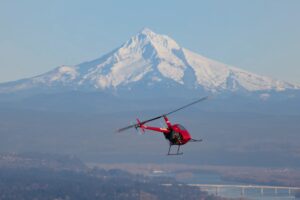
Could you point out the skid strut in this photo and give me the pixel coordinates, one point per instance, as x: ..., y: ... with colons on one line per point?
x: 174, y: 154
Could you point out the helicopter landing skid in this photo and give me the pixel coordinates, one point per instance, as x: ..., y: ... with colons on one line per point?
x: 174, y: 154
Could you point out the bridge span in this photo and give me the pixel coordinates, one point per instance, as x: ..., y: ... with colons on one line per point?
x: 243, y: 188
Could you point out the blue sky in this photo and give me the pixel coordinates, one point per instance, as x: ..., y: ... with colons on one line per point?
x: 262, y: 36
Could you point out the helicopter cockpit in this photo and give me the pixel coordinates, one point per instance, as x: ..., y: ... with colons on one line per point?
x: 181, y: 127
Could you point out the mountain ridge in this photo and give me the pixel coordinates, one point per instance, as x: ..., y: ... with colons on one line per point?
x: 156, y: 60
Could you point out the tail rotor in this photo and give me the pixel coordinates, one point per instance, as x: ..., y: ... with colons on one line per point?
x: 139, y: 127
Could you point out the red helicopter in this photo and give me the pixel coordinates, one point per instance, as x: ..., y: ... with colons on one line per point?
x: 176, y: 134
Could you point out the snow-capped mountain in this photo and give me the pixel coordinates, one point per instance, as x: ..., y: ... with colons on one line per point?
x: 152, y: 60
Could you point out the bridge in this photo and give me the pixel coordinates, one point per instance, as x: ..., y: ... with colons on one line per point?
x: 243, y: 188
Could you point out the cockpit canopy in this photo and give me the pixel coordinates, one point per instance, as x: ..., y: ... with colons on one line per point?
x: 181, y: 127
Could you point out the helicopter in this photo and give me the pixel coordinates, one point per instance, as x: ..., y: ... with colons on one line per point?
x: 176, y: 134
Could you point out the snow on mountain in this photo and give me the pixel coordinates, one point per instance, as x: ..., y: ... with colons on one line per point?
x: 151, y: 58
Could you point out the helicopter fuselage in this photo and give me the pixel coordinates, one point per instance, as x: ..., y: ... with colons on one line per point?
x: 176, y: 134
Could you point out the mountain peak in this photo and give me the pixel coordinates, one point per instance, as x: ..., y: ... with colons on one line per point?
x: 147, y: 31
x: 149, y: 59
x: 158, y: 41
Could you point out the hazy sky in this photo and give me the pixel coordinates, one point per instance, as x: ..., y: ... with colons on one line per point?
x: 260, y: 36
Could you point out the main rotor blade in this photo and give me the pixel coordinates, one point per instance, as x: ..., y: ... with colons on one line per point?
x: 127, y: 127
x: 137, y: 125
x: 158, y: 117
x: 183, y: 107
x: 149, y: 120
